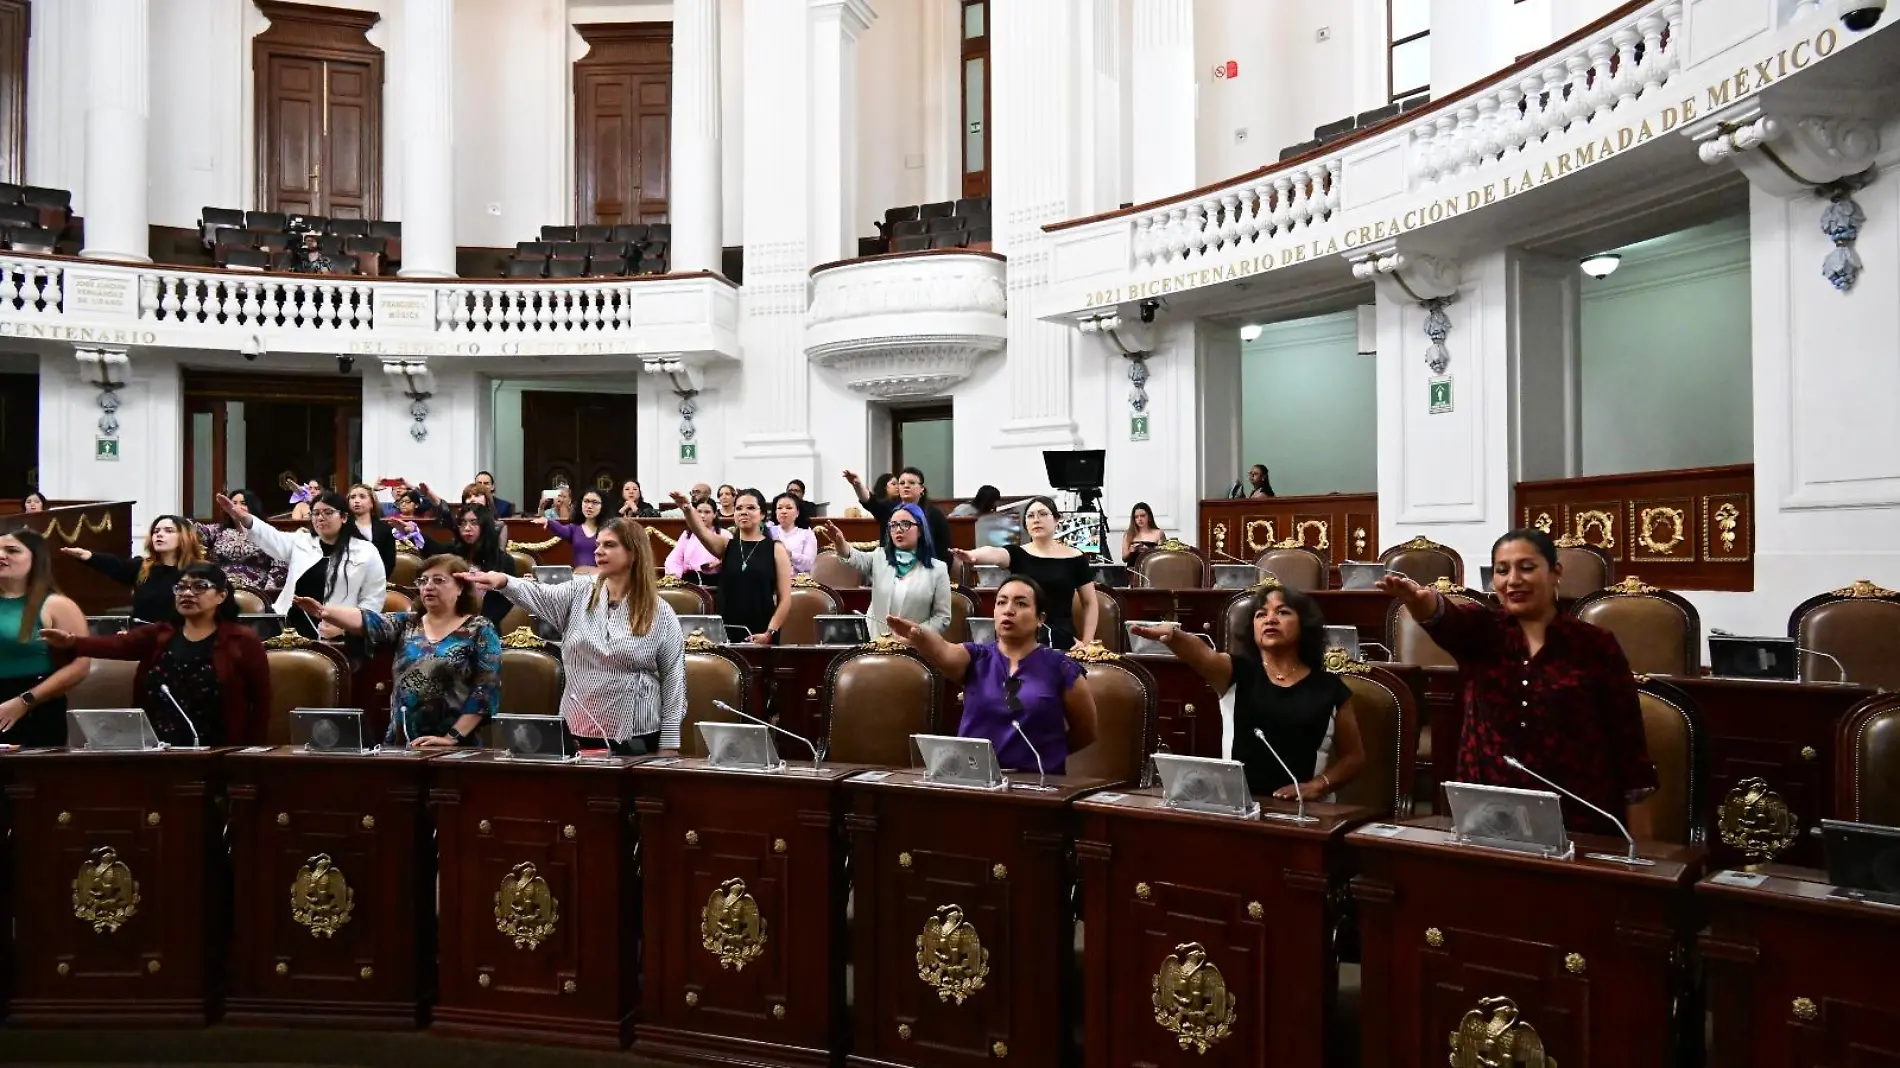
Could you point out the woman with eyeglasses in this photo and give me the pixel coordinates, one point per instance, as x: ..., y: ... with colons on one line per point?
x: 32, y: 688
x: 1061, y: 570
x: 907, y: 580
x: 204, y: 680
x: 447, y: 668
x: 1030, y: 701
x: 791, y: 529
x: 228, y: 544
x: 905, y: 487
x: 583, y: 532
x: 327, y: 561
x: 171, y: 544
x: 755, y: 571
x: 478, y: 541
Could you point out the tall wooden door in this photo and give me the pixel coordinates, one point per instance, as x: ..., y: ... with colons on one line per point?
x: 19, y: 433
x: 319, y: 112
x: 250, y: 430
x: 583, y: 439
x: 623, y: 114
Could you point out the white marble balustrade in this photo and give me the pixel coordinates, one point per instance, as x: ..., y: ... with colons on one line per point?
x: 324, y: 302
x: 1269, y: 205
x: 525, y: 309
x: 29, y: 285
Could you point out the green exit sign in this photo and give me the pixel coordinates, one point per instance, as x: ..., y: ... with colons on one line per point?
x: 105, y: 448
x: 689, y: 452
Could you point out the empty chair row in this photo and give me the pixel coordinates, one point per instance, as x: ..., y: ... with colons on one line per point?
x: 28, y: 239
x: 629, y: 232
x: 568, y: 250
x: 582, y: 267
x: 967, y: 207
x: 1333, y: 131
x: 211, y: 220
x: 941, y: 239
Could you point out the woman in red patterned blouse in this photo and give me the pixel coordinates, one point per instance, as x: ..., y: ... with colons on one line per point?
x: 1551, y: 690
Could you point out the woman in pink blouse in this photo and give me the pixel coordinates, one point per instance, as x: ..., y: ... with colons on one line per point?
x: 689, y: 560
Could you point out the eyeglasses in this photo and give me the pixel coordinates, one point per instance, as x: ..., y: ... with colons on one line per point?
x: 906, y: 525
x: 427, y: 581
x: 194, y: 586
x: 324, y: 513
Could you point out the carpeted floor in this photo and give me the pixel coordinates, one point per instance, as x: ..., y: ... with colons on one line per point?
x: 279, y: 1048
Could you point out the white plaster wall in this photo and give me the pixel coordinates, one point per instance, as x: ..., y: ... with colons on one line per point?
x: 1160, y: 470
x: 458, y: 422
x: 512, y: 116
x: 1289, y: 81
x: 200, y: 75
x: 1311, y: 406
x: 897, y: 64
x: 149, y: 471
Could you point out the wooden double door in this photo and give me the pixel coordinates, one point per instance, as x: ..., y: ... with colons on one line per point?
x: 623, y: 110
x: 585, y: 440
x: 249, y: 431
x: 319, y: 112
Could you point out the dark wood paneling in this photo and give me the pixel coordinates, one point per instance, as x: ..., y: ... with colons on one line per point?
x: 19, y: 434
x: 1692, y: 529
x: 319, y: 111
x: 1342, y: 526
x: 16, y: 20
x: 101, y: 527
x: 585, y: 439
x: 622, y: 122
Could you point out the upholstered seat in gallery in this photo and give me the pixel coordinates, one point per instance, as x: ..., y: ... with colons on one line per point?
x: 1298, y: 567
x: 1867, y: 762
x: 303, y: 674
x: 1859, y: 625
x: 810, y: 600
x: 1173, y: 565
x: 1660, y: 631
x: 531, y: 675
x: 712, y: 674
x: 1672, y: 729
x: 1387, y: 714
x: 1125, y: 710
x: 1424, y: 561
x: 875, y: 699
x: 1586, y: 568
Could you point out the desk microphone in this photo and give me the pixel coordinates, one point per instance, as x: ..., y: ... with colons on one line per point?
x: 1627, y: 836
x: 1042, y: 780
x: 817, y: 758
x: 1826, y: 656
x: 189, y: 725
x: 1299, y: 815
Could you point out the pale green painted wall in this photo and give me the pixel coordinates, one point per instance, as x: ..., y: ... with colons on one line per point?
x: 1309, y: 407
x: 929, y: 447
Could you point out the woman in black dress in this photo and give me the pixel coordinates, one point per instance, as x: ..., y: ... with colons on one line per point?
x: 1061, y: 570
x: 755, y: 571
x: 170, y: 545
x: 478, y: 540
x: 1282, y: 696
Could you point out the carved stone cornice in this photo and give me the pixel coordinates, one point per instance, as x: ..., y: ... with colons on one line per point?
x: 1786, y: 149
x: 1405, y: 277
x: 904, y: 326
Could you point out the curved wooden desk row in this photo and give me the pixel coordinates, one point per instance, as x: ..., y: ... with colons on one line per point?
x: 710, y: 915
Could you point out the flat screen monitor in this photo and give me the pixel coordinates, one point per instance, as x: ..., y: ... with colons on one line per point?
x: 1503, y: 817
x: 1075, y: 469
x: 843, y: 629
x: 1863, y: 860
x: 1753, y: 658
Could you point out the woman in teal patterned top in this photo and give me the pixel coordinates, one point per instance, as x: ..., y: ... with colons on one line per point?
x: 448, y: 657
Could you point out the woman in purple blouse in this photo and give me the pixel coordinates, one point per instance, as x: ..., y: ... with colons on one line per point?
x: 1014, y: 683
x: 583, y: 533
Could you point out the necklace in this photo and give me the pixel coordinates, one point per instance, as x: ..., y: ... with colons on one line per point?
x: 1281, y: 674
x: 746, y: 549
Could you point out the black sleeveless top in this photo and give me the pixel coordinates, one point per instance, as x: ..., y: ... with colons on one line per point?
x: 1294, y: 718
x: 748, y: 583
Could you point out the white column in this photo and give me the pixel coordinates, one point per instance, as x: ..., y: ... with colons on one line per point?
x: 428, y: 140
x: 117, y: 102
x: 1163, y: 100
x: 693, y: 189
x: 835, y: 26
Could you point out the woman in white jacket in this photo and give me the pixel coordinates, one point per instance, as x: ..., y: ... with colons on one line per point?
x: 329, y: 561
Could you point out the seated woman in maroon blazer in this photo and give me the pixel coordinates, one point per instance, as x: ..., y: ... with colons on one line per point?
x: 208, y: 666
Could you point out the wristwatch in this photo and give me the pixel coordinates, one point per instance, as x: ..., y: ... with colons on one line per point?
x: 29, y: 698
x: 455, y: 736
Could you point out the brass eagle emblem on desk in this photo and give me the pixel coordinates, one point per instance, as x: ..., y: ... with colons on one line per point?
x: 104, y: 892
x: 525, y: 909
x: 730, y: 926
x: 1494, y: 1035
x: 950, y: 955
x: 320, y: 898
x: 1191, y: 999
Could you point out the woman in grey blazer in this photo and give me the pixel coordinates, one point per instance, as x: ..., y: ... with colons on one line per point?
x: 907, y: 579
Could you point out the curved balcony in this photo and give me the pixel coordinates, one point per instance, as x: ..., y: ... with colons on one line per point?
x: 59, y: 298
x: 1648, y: 69
x: 912, y: 324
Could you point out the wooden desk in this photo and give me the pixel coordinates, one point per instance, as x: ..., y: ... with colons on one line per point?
x: 138, y: 835
x: 996, y: 864
x: 1797, y: 977
x: 771, y: 993
x: 552, y: 960
x: 1187, y: 710
x: 1586, y: 949
x: 1256, y: 895
x: 359, y: 952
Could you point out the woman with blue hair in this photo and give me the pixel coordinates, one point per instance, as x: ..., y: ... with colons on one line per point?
x: 907, y: 579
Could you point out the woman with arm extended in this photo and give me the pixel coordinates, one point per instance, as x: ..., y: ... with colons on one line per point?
x: 1061, y: 570
x: 620, y: 644
x: 755, y: 571
x: 229, y: 545
x: 907, y: 580
x: 171, y: 543
x: 689, y: 560
x: 326, y: 561
x: 32, y: 688
x: 478, y: 540
x: 447, y: 667
x: 582, y: 532
x: 1285, y: 701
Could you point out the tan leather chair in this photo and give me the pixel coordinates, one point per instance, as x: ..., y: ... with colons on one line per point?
x: 517, y: 619
x: 1109, y: 616
x: 1409, y: 642
x: 249, y: 604
x: 1672, y: 730
x: 109, y: 684
x: 303, y: 674
x: 1174, y: 565
x: 962, y: 607
x: 395, y: 600
x: 1587, y: 568
x: 1867, y: 762
x: 1860, y: 626
x: 404, y: 570
x: 828, y: 570
x: 1661, y: 633
x: 1125, y: 710
x: 1298, y: 567
x: 685, y: 598
x: 531, y: 675
x: 1387, y: 715
x: 712, y: 674
x: 524, y: 562
x: 809, y: 601
x: 875, y: 699
x: 1424, y: 561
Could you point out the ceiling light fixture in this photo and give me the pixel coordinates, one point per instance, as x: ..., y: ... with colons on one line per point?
x: 1250, y: 332
x: 1602, y: 265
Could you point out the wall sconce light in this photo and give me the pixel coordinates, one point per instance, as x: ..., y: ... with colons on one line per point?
x: 1250, y: 332
x: 106, y: 369
x: 1602, y: 265
x: 415, y: 379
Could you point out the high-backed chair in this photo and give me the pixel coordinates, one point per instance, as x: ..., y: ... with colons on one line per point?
x: 1660, y: 632
x: 1587, y: 568
x: 1387, y: 714
x: 1672, y: 730
x: 1867, y: 762
x: 962, y: 607
x: 1409, y: 642
x: 1125, y: 710
x: 531, y: 675
x: 1110, y: 613
x: 109, y: 684
x: 685, y: 598
x: 249, y: 604
x: 1238, y: 615
x: 1174, y: 565
x: 303, y: 674
x: 394, y: 600
x: 516, y: 620
x: 830, y: 571
x: 405, y: 569
x: 1859, y: 625
x: 712, y: 674
x: 1298, y: 567
x: 876, y: 697
x: 809, y: 601
x: 524, y: 562
x: 1424, y: 561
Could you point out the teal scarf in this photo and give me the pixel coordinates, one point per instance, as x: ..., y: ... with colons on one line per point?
x: 906, y: 560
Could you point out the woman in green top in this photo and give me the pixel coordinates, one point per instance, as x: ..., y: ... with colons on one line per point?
x: 32, y: 693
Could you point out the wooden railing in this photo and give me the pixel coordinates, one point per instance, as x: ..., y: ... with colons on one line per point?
x: 1692, y: 529
x: 1342, y: 526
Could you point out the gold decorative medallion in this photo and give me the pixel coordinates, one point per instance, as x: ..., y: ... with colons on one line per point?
x: 523, y: 638
x: 483, y: 980
x: 1300, y: 529
x: 320, y: 898
x: 1259, y: 542
x: 1421, y: 542
x: 697, y: 642
x: 1434, y: 937
x: 1173, y: 545
x: 730, y: 926
x: 104, y: 892
x: 282, y: 968
x: 64, y: 819
x: 999, y: 872
x: 533, y: 546
x: 1543, y: 522
x: 1631, y: 584
x: 1863, y: 588
x: 692, y: 838
x: 1220, y: 538
x: 1494, y: 1035
x: 950, y: 956
x: 666, y: 582
x: 1267, y: 583
x: 568, y: 986
x: 369, y: 823
x: 885, y: 643
x: 1143, y: 891
x: 366, y: 972
x: 999, y: 1050
x: 1727, y: 518
x: 1359, y: 541
x: 1674, y: 523
x: 903, y: 1032
x: 903, y: 860
x: 289, y: 639
x: 1573, y: 963
x: 1255, y: 910
x: 692, y: 999
x: 1191, y: 1000
x: 1093, y: 653
x: 778, y: 1011
x: 1806, y: 1009
x: 1605, y: 524
x: 525, y: 910
x: 1340, y: 662
x: 1755, y: 820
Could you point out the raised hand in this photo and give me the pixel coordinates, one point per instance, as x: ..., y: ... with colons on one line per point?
x: 852, y: 477
x: 1152, y: 632
x: 680, y: 500
x: 231, y: 508
x: 902, y: 629
x: 310, y: 606
x: 76, y: 552
x: 963, y: 557
x: 57, y: 639
x: 484, y: 580
x: 836, y: 536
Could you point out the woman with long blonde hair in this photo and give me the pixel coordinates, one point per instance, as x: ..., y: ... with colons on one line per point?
x: 32, y: 690
x: 620, y: 643
x: 171, y: 545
